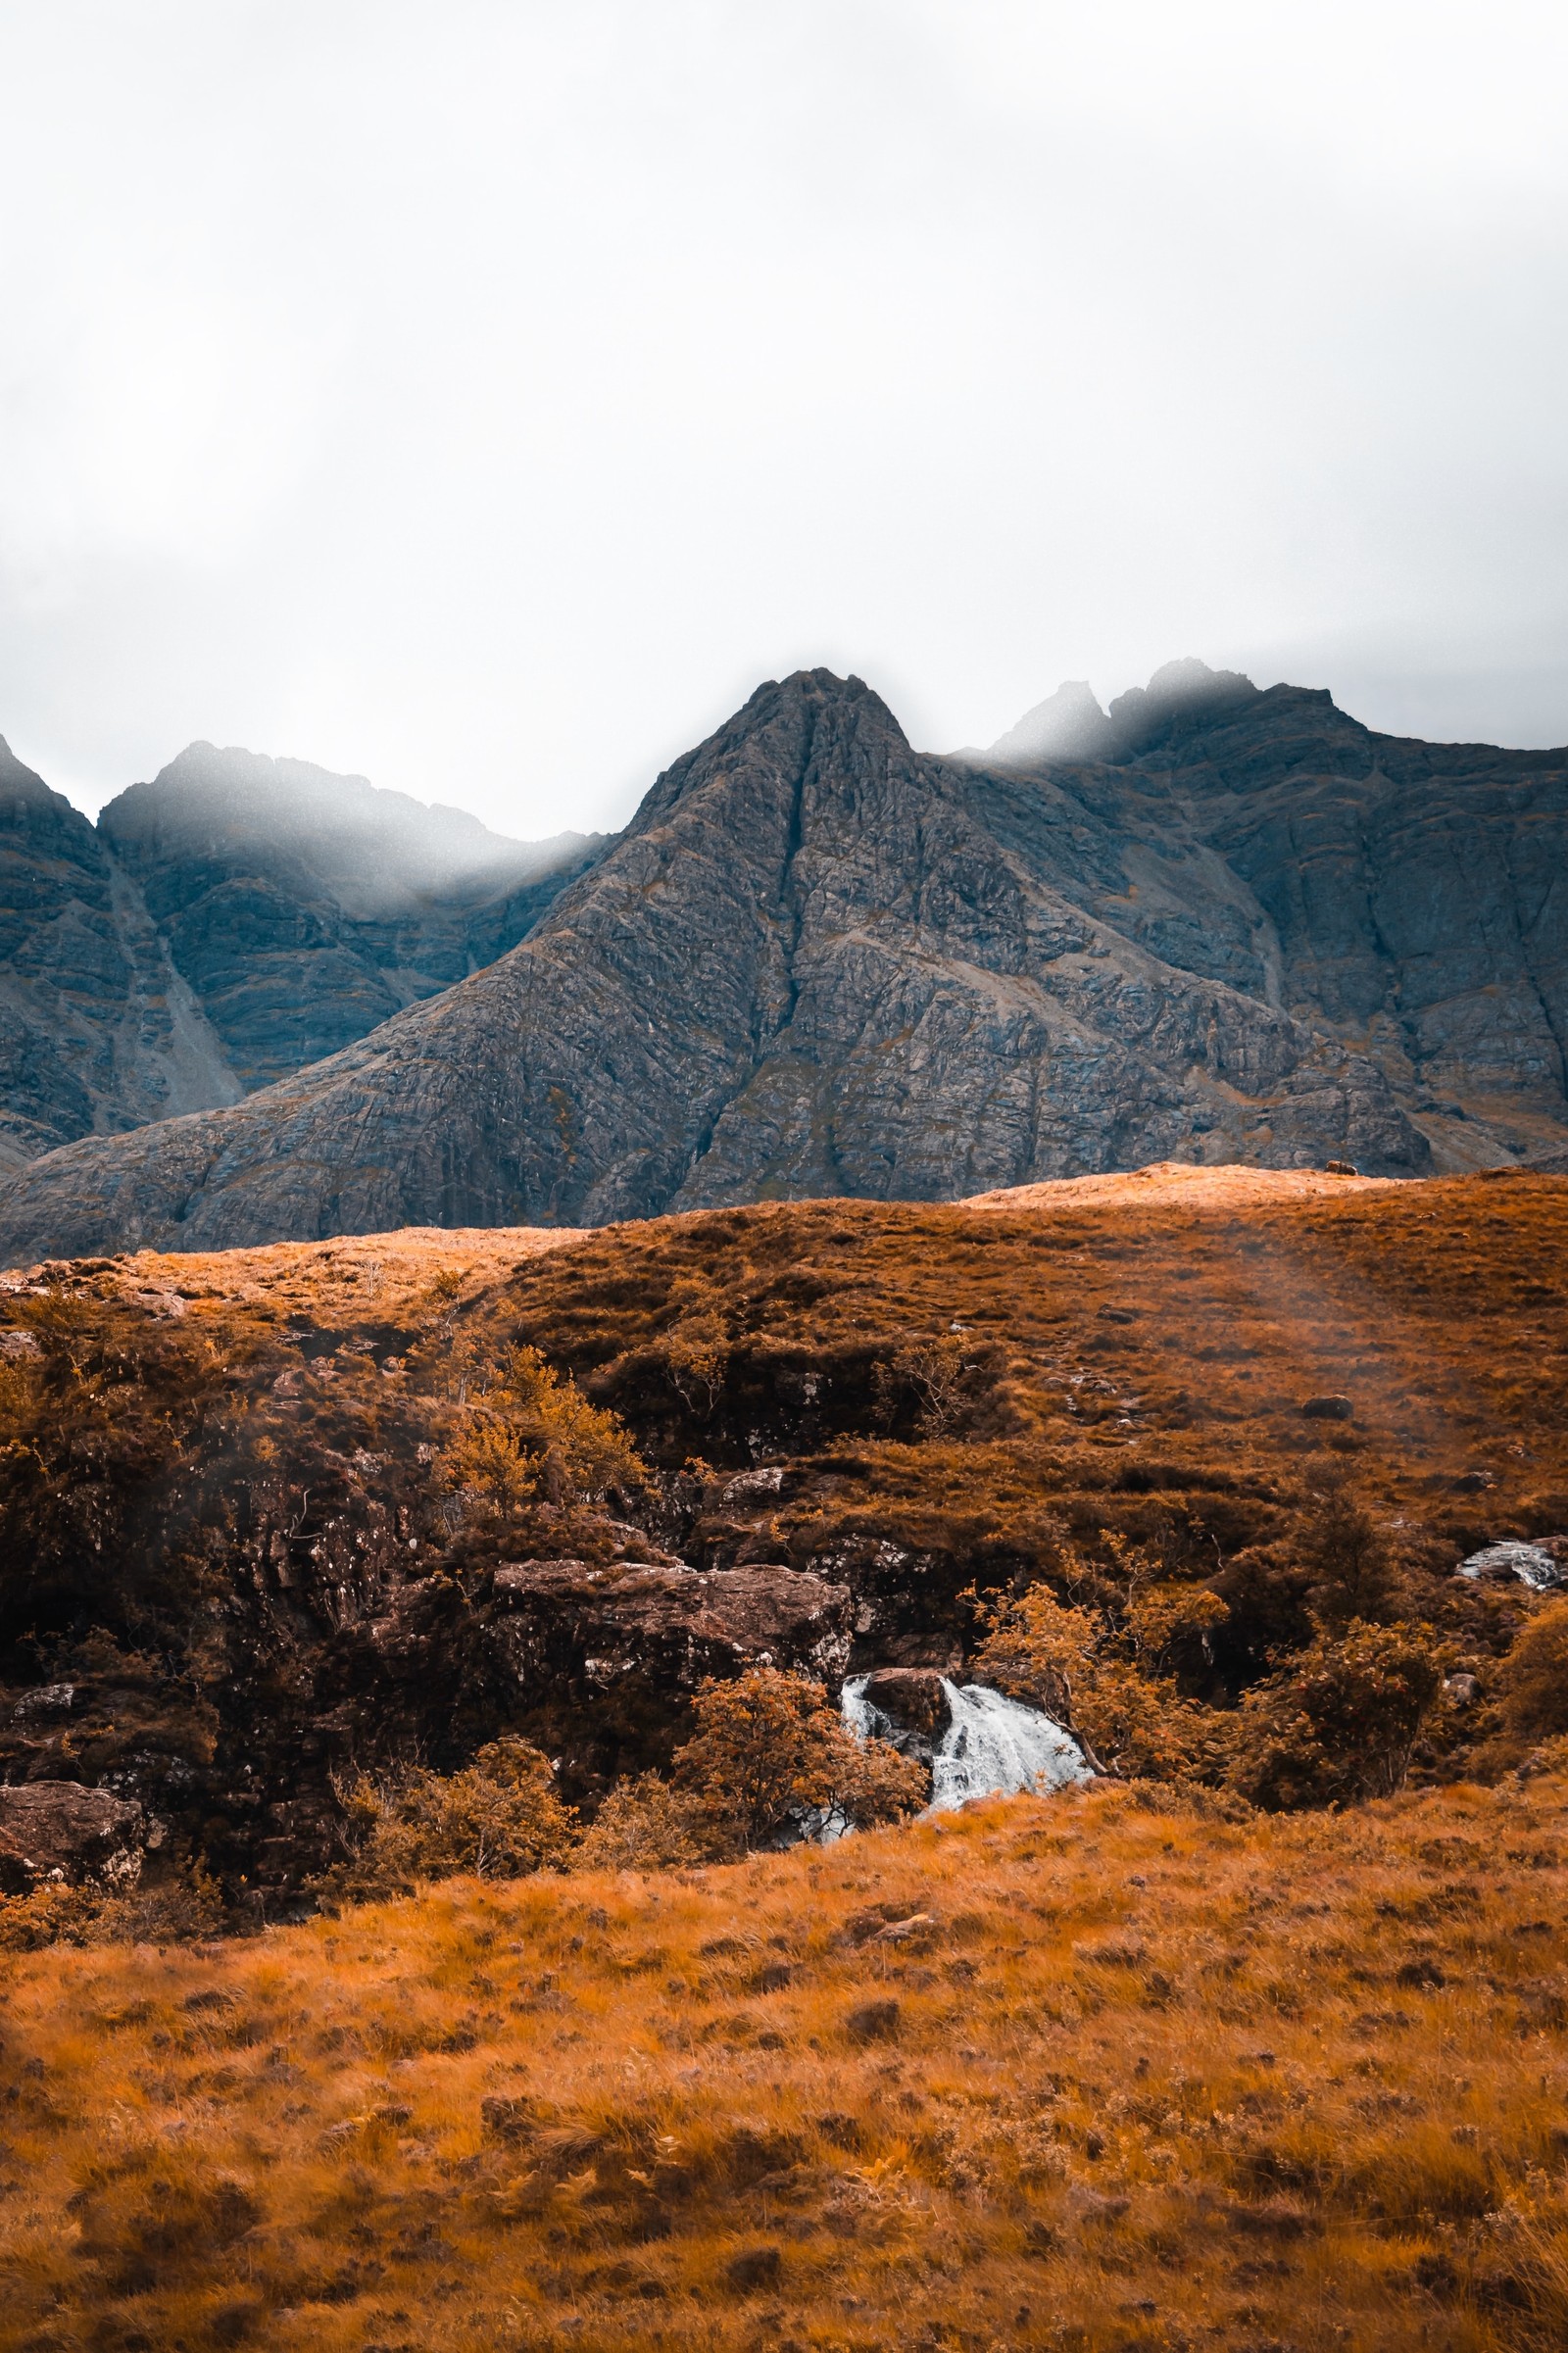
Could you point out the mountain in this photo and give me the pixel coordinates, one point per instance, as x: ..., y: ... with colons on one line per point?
x: 226, y: 923
x: 820, y: 962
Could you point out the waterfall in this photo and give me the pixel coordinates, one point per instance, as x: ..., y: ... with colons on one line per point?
x: 992, y: 1744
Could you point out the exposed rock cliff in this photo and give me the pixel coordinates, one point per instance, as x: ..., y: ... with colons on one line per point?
x: 818, y: 963
x: 227, y: 923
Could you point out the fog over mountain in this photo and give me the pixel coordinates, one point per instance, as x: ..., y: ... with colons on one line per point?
x: 225, y: 923
x: 373, y: 377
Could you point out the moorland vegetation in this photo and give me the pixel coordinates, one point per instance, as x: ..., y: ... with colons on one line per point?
x: 1124, y: 2071
x: 1256, y: 2039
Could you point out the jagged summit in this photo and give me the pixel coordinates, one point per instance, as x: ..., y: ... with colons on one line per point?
x: 227, y: 923
x: 22, y: 782
x: 376, y: 851
x: 1067, y: 726
x: 1071, y: 725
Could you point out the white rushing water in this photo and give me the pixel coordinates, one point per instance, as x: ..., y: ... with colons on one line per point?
x: 992, y: 1744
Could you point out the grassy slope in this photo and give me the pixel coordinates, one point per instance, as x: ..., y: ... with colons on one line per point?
x: 1338, y: 2196
x: 1440, y: 1309
x: 1152, y: 2079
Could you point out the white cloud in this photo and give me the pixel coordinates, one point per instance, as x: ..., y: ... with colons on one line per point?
x: 484, y: 397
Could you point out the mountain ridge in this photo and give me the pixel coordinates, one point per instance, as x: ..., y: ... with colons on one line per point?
x: 227, y: 921
x: 818, y: 962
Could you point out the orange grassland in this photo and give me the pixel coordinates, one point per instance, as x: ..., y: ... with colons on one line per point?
x: 1113, y: 2071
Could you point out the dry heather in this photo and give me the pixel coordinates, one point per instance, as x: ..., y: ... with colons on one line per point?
x: 1106, y: 2071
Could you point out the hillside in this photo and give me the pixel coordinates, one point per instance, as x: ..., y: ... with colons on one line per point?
x: 1110, y: 2073
x: 819, y: 964
x: 272, y: 1516
x: 225, y: 923
x: 1227, y: 2046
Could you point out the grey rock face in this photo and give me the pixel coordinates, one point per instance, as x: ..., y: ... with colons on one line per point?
x: 1405, y: 897
x: 818, y: 963
x: 303, y: 908
x: 234, y: 919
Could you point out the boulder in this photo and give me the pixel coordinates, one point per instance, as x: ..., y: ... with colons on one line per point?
x: 907, y: 1707
x: 1542, y: 1566
x: 57, y: 1830
x: 913, y: 1699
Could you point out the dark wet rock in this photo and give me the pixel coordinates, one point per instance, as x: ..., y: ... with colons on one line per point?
x: 566, y: 1625
x: 914, y: 1702
x: 59, y: 1829
x: 1333, y: 1408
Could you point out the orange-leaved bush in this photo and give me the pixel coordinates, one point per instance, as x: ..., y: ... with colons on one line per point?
x: 498, y: 1818
x: 1128, y: 1718
x: 531, y: 1434
x: 644, y: 1824
x: 770, y: 1751
x: 1338, y: 1721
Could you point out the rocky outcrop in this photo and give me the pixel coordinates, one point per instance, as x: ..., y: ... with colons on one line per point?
x: 234, y: 919
x: 818, y: 963
x: 1401, y: 897
x: 1541, y: 1565
x: 636, y: 1636
x: 57, y: 1830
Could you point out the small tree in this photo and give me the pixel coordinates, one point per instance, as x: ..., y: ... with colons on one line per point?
x: 770, y: 1748
x: 1085, y: 1674
x: 1340, y: 1721
x: 1347, y: 1553
x: 933, y: 1369
x: 532, y: 1436
x: 500, y: 1818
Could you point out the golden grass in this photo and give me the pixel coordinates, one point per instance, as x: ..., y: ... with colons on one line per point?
x: 1187, y: 1326
x: 353, y: 1274
x: 1105, y: 2072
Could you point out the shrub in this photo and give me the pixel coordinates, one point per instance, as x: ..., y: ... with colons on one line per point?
x: 1533, y: 1682
x: 178, y: 1909
x: 1082, y: 1672
x: 644, y: 1824
x: 932, y: 1371
x: 535, y: 1435
x: 500, y: 1818
x: 1347, y: 1553
x: 1338, y: 1721
x: 770, y: 1751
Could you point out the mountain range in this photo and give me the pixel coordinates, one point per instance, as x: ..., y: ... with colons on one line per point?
x: 224, y: 925
x: 1213, y: 923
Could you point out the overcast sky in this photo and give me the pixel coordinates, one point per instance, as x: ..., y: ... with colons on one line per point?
x: 485, y: 398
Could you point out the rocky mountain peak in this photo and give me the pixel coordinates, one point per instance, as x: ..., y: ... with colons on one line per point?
x: 377, y: 852
x: 1071, y: 725
x: 818, y: 963
x: 1067, y: 726
x: 21, y: 783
